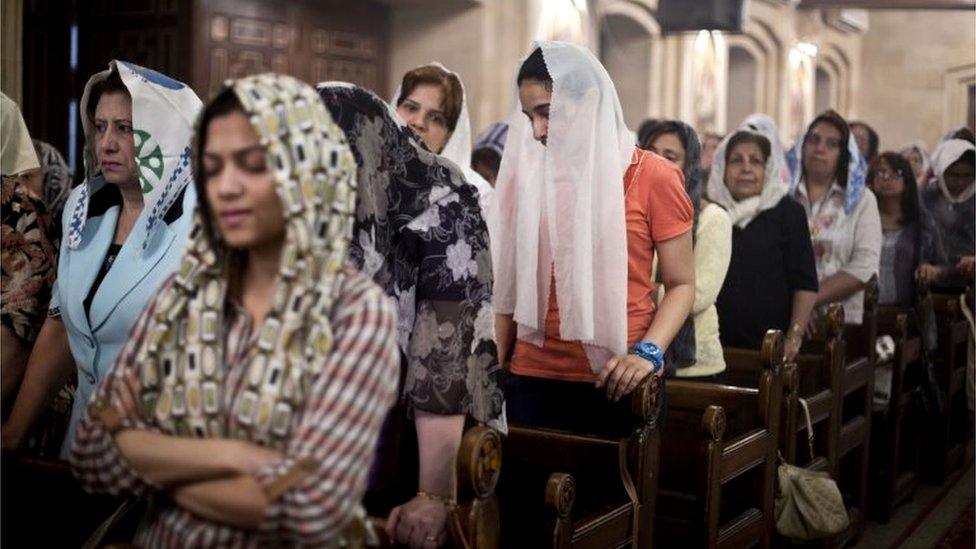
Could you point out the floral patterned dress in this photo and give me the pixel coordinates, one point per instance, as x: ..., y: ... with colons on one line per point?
x: 419, y: 234
x: 29, y: 260
x: 29, y: 265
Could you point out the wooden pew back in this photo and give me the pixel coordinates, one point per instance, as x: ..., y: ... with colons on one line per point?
x: 570, y: 489
x: 719, y: 461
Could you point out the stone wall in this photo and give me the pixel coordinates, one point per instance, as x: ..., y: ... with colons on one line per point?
x: 912, y: 65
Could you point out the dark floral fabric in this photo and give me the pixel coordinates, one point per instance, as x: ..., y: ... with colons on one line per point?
x: 420, y: 234
x: 29, y: 260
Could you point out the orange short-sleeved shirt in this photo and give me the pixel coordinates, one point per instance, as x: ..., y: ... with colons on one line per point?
x: 657, y: 209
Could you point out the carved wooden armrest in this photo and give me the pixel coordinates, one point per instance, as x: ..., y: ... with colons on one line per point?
x: 713, y: 423
x: 561, y: 494
x: 475, y: 521
x: 479, y: 463
x: 645, y: 401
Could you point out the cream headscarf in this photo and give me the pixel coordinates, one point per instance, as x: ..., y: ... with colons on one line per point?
x: 776, y: 183
x: 180, y: 361
x: 563, y: 208
x: 16, y: 150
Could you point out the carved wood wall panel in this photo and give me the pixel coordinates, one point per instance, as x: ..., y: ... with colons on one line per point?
x: 47, y: 82
x: 201, y: 42
x: 313, y: 41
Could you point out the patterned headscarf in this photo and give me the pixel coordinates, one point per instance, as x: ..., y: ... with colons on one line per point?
x: 57, y: 177
x: 163, y: 111
x: 181, y: 359
x: 420, y: 234
x: 857, y: 170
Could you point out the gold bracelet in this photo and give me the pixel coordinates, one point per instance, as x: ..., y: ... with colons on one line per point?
x: 450, y: 503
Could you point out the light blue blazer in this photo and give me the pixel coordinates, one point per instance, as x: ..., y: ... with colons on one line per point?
x: 96, y: 338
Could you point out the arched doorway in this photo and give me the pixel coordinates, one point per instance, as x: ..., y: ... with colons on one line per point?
x: 823, y: 94
x: 626, y: 52
x: 742, y: 96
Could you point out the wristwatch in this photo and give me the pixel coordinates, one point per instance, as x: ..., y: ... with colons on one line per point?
x: 651, y: 352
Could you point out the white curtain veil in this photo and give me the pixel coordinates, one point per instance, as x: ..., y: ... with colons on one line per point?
x: 561, y: 206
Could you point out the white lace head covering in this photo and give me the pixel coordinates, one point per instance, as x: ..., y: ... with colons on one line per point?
x: 563, y: 208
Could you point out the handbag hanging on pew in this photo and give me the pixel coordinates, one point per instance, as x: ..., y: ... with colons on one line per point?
x: 809, y: 504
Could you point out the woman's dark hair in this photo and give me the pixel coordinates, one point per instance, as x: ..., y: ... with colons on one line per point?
x: 872, y: 139
x: 652, y: 129
x: 112, y: 84
x: 225, y: 103
x: 488, y: 157
x: 745, y: 136
x: 902, y: 167
x: 534, y: 68
x: 966, y: 134
x: 831, y: 117
x: 435, y: 75
x: 694, y: 185
x: 968, y: 157
x: 645, y: 130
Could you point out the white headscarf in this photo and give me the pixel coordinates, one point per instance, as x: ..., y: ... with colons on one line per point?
x: 919, y: 146
x: 763, y: 124
x: 776, y: 182
x: 563, y: 206
x: 946, y: 155
x: 163, y: 113
x: 458, y: 146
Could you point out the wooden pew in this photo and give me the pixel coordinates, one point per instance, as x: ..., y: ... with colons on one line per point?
x: 743, y: 368
x: 474, y: 524
x: 565, y: 489
x: 854, y: 409
x: 718, y: 466
x: 479, y: 464
x: 820, y: 367
x: 817, y: 376
x: 946, y: 441
x: 820, y: 371
x: 895, y: 429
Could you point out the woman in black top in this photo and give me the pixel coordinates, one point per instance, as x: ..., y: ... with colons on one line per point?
x: 772, y: 278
